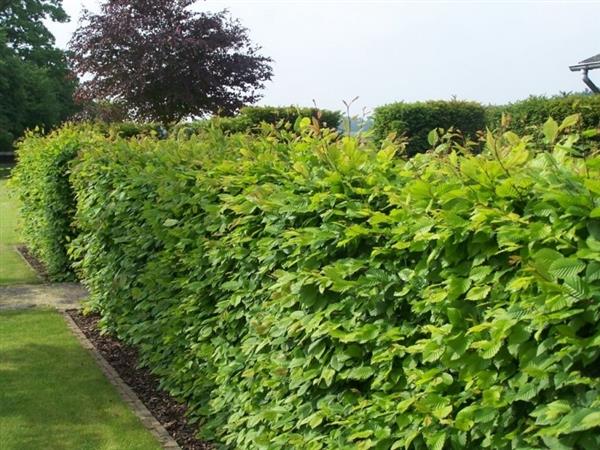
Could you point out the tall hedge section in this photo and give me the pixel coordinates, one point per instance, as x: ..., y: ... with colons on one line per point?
x: 41, y: 179
x: 414, y: 121
x: 317, y: 292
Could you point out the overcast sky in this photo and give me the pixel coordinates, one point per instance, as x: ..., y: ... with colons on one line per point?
x: 385, y: 51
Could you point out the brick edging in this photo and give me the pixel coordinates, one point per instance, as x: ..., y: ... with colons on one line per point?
x: 140, y: 410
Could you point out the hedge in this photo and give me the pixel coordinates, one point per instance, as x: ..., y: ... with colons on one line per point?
x: 47, y: 201
x: 252, y: 118
x: 319, y: 292
x: 290, y: 114
x: 41, y: 179
x: 415, y: 120
x: 526, y: 115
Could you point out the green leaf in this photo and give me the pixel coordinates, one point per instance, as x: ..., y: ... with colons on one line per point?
x: 432, y: 351
x: 593, y: 244
x: 359, y: 373
x: 442, y: 411
x: 592, y: 420
x: 464, y: 418
x: 403, y: 405
x: 576, y: 287
x: 550, y: 130
x: 491, y: 348
x: 397, y: 444
x: 367, y: 333
x: 360, y: 435
x: 315, y: 420
x: 432, y: 137
x: 592, y: 272
x: 478, y: 293
x: 544, y: 258
x: 457, y: 286
x: 328, y: 375
x: 566, y: 267
x: 570, y: 121
x: 436, y: 441
x: 593, y: 227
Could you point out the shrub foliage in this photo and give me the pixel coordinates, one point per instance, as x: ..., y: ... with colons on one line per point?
x: 527, y: 114
x: 416, y: 120
x: 290, y: 114
x: 318, y: 292
x: 47, y: 201
x: 251, y: 119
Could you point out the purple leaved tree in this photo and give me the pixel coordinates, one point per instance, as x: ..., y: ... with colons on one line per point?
x: 166, y: 62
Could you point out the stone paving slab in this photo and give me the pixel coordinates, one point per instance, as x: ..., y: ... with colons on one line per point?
x: 56, y: 295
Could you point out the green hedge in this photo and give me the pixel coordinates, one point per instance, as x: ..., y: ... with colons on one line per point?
x: 314, y: 293
x: 528, y: 114
x: 41, y: 180
x: 251, y: 119
x: 290, y: 114
x: 132, y: 129
x: 317, y: 292
x: 415, y: 120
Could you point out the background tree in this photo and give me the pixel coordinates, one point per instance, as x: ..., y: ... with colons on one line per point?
x: 165, y: 61
x: 36, y: 85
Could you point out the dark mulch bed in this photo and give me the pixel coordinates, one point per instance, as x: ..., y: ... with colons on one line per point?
x: 35, y: 263
x: 124, y: 359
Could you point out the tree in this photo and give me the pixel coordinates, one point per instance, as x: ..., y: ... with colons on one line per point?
x: 25, y: 32
x: 165, y: 61
x: 36, y: 85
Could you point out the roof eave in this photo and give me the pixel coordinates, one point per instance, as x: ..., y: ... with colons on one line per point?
x: 586, y: 66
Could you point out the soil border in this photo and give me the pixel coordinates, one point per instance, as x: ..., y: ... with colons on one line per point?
x: 140, y: 410
x: 158, y: 411
x: 33, y: 262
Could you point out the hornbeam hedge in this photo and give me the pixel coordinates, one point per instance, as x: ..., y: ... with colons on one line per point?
x: 316, y: 292
x: 41, y: 178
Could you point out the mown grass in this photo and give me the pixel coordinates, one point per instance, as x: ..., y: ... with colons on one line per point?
x: 13, y: 269
x: 53, y: 395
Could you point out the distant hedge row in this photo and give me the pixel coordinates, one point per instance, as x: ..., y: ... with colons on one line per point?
x: 414, y: 121
x: 527, y: 114
x: 316, y: 292
x: 250, y: 119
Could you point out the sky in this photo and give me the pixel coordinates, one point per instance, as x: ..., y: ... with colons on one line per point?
x: 386, y: 51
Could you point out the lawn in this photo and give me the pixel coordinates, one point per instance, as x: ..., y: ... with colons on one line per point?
x: 53, y: 395
x: 12, y: 267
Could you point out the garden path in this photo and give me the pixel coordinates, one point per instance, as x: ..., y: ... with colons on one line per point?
x: 56, y: 295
